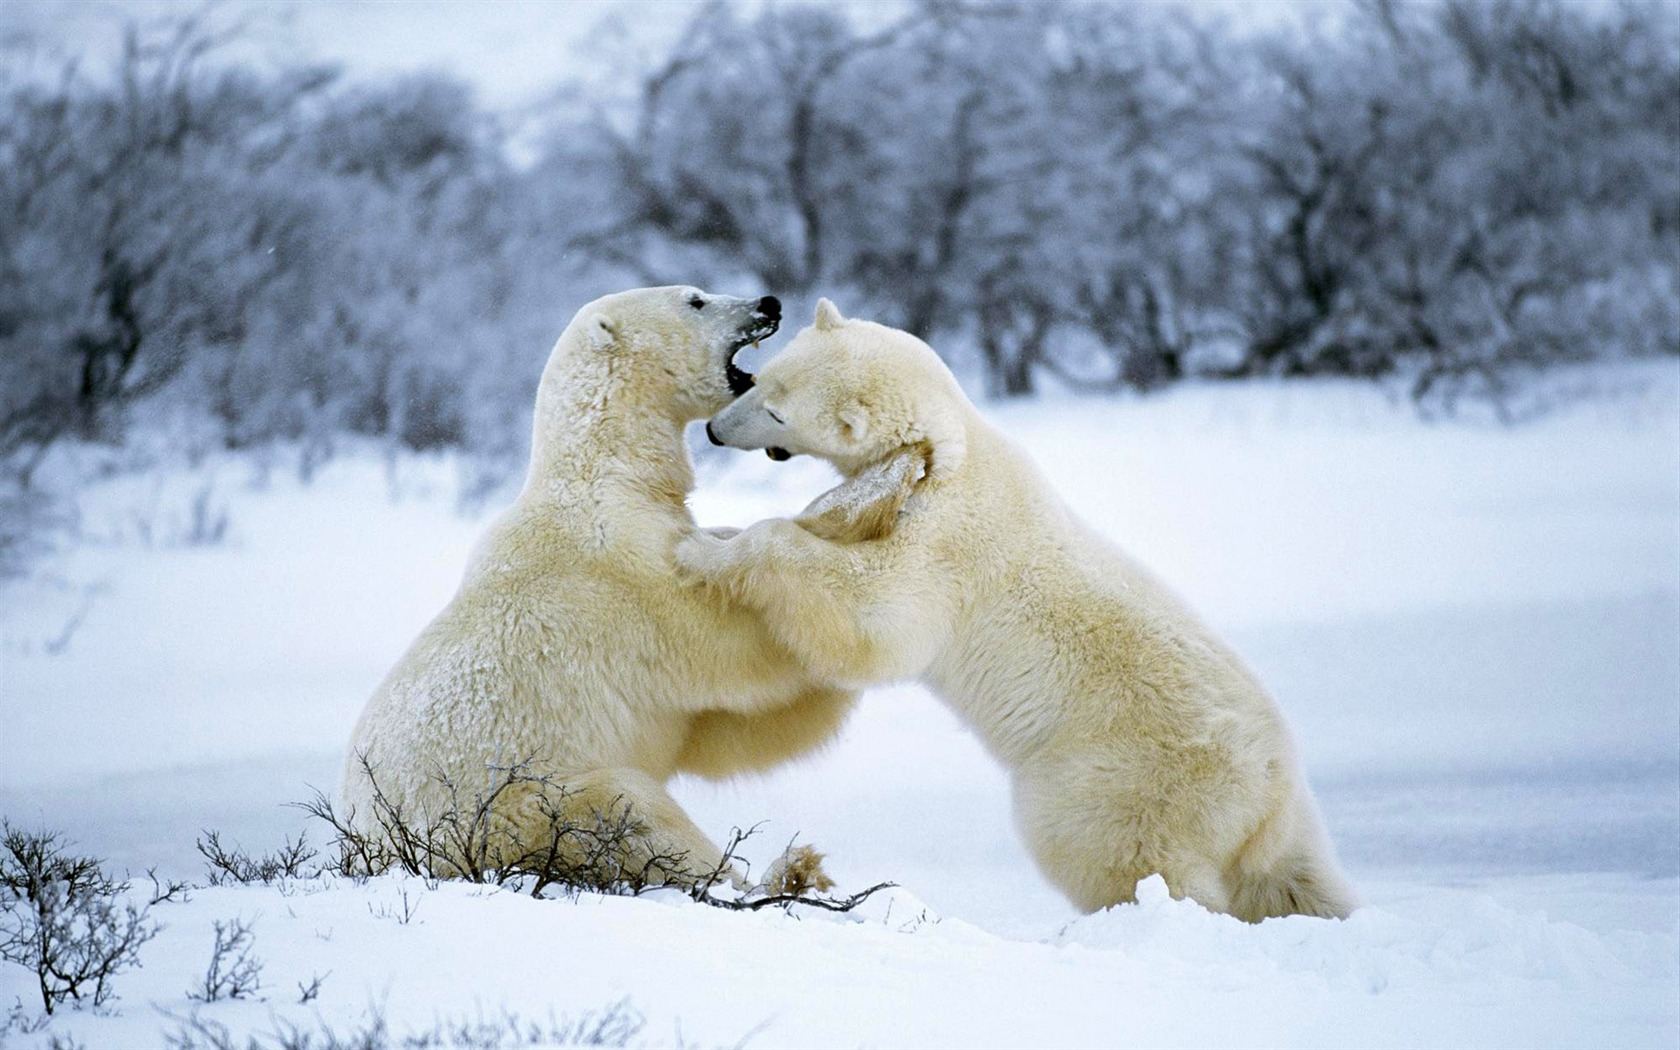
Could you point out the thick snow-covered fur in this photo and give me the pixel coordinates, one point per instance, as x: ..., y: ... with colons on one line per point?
x: 571, y: 642
x: 1137, y: 742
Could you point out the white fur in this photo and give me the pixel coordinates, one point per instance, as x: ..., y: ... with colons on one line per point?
x: 570, y: 642
x: 1136, y: 741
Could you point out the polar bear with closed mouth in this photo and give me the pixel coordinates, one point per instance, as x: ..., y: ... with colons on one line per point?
x: 1136, y: 742
x: 570, y: 643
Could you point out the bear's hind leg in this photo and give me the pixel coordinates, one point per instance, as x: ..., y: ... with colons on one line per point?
x: 1299, y: 885
x: 1081, y: 841
x: 1096, y: 838
x: 1287, y: 867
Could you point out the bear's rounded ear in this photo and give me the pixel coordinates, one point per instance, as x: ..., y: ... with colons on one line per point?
x: 854, y: 419
x: 828, y: 316
x: 600, y: 331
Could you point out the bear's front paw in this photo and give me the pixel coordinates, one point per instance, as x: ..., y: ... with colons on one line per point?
x: 797, y: 872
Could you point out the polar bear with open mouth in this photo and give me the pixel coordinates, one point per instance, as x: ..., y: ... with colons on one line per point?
x: 1137, y: 743
x: 571, y: 644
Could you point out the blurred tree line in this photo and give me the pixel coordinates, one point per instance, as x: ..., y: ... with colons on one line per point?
x: 1444, y: 195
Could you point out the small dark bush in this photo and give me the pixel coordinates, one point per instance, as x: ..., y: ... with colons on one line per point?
x: 599, y: 851
x: 467, y: 840
x: 233, y: 973
x: 614, y: 1025
x: 227, y: 866
x: 62, y: 917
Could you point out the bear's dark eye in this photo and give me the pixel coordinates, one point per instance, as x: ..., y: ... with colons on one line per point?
x: 698, y: 303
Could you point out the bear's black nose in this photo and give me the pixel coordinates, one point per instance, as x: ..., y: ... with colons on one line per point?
x: 770, y: 307
x: 710, y: 435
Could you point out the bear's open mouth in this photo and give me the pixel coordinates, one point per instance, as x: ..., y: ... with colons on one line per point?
x: 740, y: 380
x: 778, y: 454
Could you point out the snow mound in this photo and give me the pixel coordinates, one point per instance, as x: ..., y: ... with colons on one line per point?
x: 399, y: 952
x: 1473, y: 938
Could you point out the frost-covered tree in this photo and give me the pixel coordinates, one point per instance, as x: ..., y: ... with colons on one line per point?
x: 125, y: 241
x: 1109, y: 195
x: 1458, y: 190
x: 275, y: 255
x: 965, y: 169
x: 1060, y: 188
x: 754, y: 140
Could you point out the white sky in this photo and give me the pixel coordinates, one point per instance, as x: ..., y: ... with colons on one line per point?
x: 512, y: 51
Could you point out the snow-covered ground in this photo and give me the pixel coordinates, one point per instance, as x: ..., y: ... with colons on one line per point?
x: 1475, y: 632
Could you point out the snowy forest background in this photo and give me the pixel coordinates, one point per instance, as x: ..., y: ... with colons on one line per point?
x: 1357, y: 322
x: 1443, y: 197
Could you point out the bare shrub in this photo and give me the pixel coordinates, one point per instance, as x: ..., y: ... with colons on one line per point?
x: 403, y: 913
x: 226, y: 866
x: 575, y: 849
x: 167, y: 890
x: 792, y: 880
x: 597, y: 849
x: 63, y: 918
x: 308, y: 993
x: 22, y: 1021
x: 614, y: 1025
x: 207, y: 520
x: 233, y: 973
